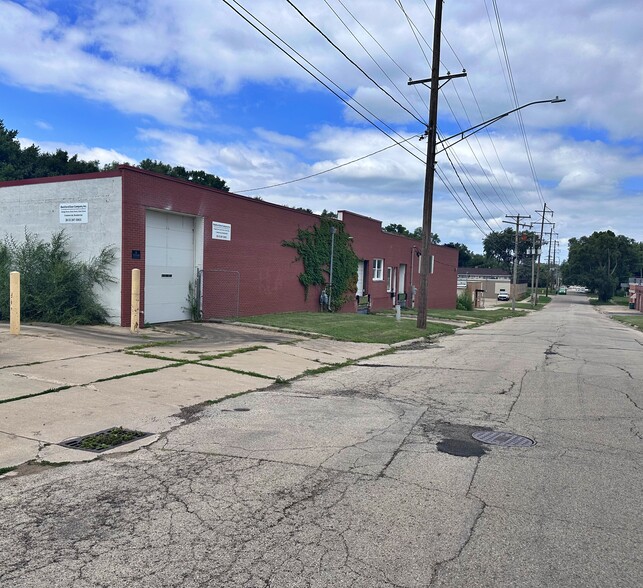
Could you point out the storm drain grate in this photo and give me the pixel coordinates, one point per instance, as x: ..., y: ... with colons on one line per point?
x: 104, y: 440
x: 503, y: 439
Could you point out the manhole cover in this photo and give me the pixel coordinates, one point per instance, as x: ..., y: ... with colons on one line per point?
x: 503, y: 439
x: 104, y: 440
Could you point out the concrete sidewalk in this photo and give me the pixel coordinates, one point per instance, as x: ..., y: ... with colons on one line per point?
x: 58, y: 383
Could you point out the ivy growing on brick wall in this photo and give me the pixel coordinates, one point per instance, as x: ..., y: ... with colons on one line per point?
x: 313, y: 248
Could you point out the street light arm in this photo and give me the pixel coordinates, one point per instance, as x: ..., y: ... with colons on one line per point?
x: 483, y: 125
x: 477, y: 128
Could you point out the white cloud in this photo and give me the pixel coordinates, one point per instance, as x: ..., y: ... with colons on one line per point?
x: 585, y: 180
x: 38, y: 53
x: 102, y: 155
x: 147, y: 57
x: 280, y: 139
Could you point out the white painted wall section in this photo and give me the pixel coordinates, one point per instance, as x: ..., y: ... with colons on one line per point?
x: 35, y: 208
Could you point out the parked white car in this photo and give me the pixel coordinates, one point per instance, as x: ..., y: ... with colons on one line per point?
x: 503, y: 296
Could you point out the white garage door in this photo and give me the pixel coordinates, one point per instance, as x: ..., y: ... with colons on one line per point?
x: 169, y: 265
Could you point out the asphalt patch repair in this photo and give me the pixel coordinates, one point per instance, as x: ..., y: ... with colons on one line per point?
x: 457, y: 439
x: 470, y: 441
x: 461, y: 448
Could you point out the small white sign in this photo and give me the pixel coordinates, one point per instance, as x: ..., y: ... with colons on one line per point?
x: 222, y: 231
x: 73, y: 212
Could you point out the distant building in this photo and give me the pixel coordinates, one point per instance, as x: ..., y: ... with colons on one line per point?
x: 179, y: 233
x: 491, y: 281
x: 483, y: 273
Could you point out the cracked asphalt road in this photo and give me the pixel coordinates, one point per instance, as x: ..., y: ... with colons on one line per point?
x: 336, y: 480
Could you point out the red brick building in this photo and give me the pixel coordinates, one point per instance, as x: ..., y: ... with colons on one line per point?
x: 636, y: 297
x: 178, y: 233
x: 400, y: 265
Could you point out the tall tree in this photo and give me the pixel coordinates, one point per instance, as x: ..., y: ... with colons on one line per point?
x: 17, y: 163
x: 601, y: 261
x: 397, y: 229
x: 178, y: 171
x: 464, y: 253
x: 417, y: 234
x: 499, y: 246
x: 10, y: 154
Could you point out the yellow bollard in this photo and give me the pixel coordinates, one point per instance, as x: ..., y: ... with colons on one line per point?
x: 14, y: 303
x: 136, y: 300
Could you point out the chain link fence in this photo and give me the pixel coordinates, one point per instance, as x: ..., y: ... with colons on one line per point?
x: 219, y: 294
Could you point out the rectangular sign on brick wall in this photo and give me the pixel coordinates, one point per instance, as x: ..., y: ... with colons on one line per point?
x: 73, y: 212
x: 222, y: 231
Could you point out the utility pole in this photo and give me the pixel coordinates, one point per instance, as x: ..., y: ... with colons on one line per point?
x: 431, y: 134
x: 551, y: 235
x: 515, y: 272
x: 533, y: 265
x: 556, y: 245
x: 540, y: 244
x: 429, y: 177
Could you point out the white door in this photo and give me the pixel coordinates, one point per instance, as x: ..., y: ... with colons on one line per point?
x: 360, y: 277
x: 402, y: 280
x: 169, y: 265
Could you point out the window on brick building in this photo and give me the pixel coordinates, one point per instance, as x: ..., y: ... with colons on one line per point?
x: 378, y: 270
x: 389, y: 279
x: 431, y: 264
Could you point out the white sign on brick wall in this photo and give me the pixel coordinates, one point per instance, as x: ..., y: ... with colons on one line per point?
x: 73, y: 212
x: 222, y: 231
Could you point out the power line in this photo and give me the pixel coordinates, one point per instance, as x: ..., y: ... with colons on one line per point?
x: 445, y: 38
x: 386, y: 53
x: 501, y: 197
x: 400, y: 143
x: 466, y: 191
x: 515, y: 98
x: 476, y: 158
x: 368, y: 52
x: 312, y: 24
x: 413, y: 30
x: 330, y: 169
x: 472, y: 182
x: 453, y: 193
x: 495, y: 150
x: 313, y: 75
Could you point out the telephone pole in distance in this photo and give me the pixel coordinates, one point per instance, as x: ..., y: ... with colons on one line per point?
x: 515, y: 272
x: 542, y: 226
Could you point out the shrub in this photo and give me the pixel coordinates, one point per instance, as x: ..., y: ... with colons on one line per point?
x: 55, y: 287
x: 465, y: 301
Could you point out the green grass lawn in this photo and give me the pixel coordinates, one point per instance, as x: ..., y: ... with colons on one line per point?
x: 617, y: 301
x: 361, y: 328
x: 630, y: 319
x: 620, y: 300
x: 373, y: 328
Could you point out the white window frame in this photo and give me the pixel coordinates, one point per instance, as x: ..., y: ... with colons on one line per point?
x: 378, y: 269
x: 431, y: 264
x: 389, y: 279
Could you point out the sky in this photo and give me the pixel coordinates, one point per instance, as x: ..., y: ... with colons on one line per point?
x: 192, y: 83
